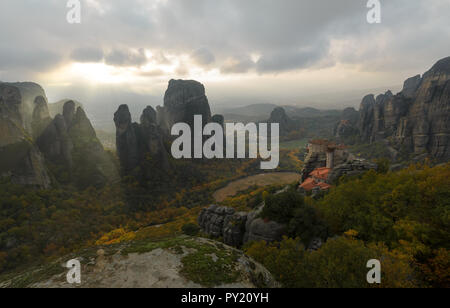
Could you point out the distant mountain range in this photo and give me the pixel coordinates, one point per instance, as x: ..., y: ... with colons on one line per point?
x: 261, y: 112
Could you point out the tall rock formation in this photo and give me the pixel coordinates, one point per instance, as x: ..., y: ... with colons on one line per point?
x: 71, y: 147
x: 126, y: 139
x: 140, y: 143
x: 143, y: 148
x: 182, y: 100
x: 347, y: 125
x: 20, y: 158
x: 33, y: 145
x: 415, y: 120
x: 279, y: 116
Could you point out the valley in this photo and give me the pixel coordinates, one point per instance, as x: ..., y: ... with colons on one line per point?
x: 357, y: 184
x: 260, y: 180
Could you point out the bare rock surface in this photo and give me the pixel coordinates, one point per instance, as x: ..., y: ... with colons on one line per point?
x: 239, y: 228
x: 160, y: 267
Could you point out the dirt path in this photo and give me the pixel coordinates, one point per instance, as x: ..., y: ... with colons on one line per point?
x: 265, y: 179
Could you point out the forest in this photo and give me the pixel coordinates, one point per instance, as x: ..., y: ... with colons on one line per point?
x: 401, y: 218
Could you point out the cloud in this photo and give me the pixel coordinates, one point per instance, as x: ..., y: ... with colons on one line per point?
x: 290, y: 60
x: 289, y: 35
x: 203, y: 57
x: 126, y: 57
x: 152, y: 73
x: 28, y: 59
x: 160, y: 58
x: 181, y: 70
x: 237, y: 65
x: 87, y: 55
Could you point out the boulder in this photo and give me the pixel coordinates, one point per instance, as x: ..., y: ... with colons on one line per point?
x: 212, y: 219
x: 238, y: 228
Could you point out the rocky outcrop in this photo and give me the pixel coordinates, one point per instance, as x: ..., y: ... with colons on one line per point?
x: 135, y: 142
x: 182, y: 101
x: 118, y: 266
x: 70, y: 144
x: 411, y: 85
x: 279, y: 116
x: 41, y: 116
x: 55, y: 143
x: 416, y: 120
x: 31, y: 141
x: 351, y: 168
x: 319, y: 160
x: 220, y: 221
x: 238, y: 228
x: 21, y: 161
x: 219, y: 119
x: 258, y: 229
x: 148, y: 141
x: 126, y: 139
x: 29, y: 92
x: 58, y: 107
x: 347, y: 126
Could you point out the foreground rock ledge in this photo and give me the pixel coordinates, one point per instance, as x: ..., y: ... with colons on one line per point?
x: 145, y: 265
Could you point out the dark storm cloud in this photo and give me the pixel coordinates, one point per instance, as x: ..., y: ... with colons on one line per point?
x: 288, y: 35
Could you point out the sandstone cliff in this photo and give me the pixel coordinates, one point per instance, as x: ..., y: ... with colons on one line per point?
x: 238, y: 228
x: 20, y: 158
x: 184, y: 99
x: 34, y: 146
x: 143, y: 148
x: 416, y: 120
x: 70, y: 145
x: 138, y: 143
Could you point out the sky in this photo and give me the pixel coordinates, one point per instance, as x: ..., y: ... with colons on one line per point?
x: 296, y: 52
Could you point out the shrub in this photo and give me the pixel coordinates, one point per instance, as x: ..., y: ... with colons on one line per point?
x: 190, y: 229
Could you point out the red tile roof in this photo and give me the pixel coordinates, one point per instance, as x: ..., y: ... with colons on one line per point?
x: 308, y: 184
x: 321, y: 173
x: 311, y: 183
